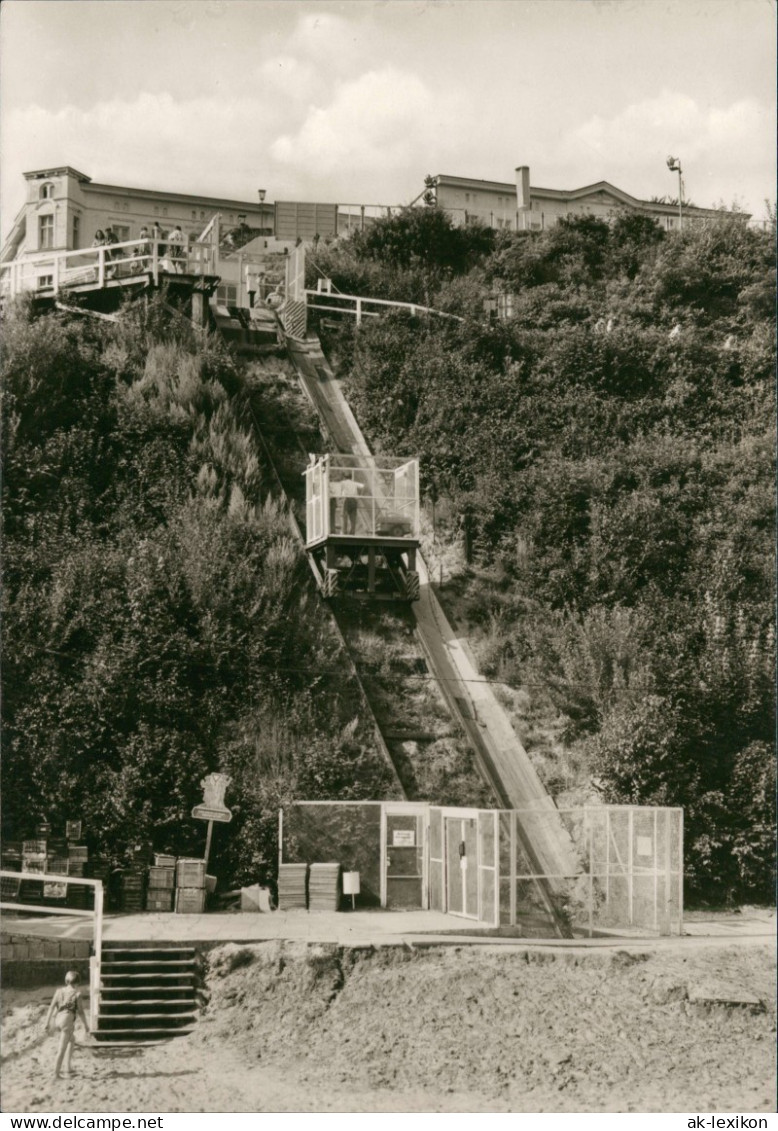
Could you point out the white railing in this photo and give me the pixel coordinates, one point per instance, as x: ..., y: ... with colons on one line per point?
x: 96, y: 915
x: 50, y: 272
x: 359, y: 305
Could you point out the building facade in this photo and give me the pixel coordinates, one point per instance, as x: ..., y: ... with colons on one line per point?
x: 64, y: 209
x: 520, y: 206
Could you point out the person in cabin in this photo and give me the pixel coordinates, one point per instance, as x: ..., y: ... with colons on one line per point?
x: 66, y: 1006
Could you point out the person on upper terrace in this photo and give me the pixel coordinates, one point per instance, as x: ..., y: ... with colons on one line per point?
x: 99, y: 240
x: 176, y: 245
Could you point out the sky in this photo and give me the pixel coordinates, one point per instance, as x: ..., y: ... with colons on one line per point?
x: 355, y: 102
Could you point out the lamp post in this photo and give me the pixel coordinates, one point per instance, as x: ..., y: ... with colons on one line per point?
x: 674, y: 165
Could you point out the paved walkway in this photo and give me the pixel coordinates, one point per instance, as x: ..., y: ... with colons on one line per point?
x: 366, y: 928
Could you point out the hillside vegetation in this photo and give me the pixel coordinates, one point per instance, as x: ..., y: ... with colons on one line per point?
x: 158, y: 617
x: 602, y: 462
x: 605, y: 457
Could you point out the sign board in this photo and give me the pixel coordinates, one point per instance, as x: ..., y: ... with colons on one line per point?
x: 205, y: 813
x: 73, y: 830
x: 213, y: 807
x: 645, y: 846
x: 403, y: 838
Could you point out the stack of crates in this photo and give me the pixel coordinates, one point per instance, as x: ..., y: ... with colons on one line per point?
x: 78, y: 896
x: 11, y: 862
x: 98, y: 868
x: 162, y: 882
x: 78, y: 857
x: 33, y: 860
x: 55, y: 893
x: 133, y: 889
x: 190, y: 886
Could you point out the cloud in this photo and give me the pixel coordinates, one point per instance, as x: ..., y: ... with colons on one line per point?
x: 729, y: 147
x: 376, y: 128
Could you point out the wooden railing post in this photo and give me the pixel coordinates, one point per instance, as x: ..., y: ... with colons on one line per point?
x: 359, y: 312
x: 101, y: 266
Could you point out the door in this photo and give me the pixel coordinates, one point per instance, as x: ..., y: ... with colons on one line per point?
x: 462, y: 866
x: 404, y: 876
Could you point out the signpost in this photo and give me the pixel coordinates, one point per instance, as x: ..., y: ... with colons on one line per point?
x: 213, y: 807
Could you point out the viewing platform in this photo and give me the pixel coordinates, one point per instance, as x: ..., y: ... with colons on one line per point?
x: 105, y: 274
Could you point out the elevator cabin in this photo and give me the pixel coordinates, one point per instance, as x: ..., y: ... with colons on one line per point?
x: 362, y: 525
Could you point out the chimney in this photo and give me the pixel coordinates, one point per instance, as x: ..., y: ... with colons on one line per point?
x: 523, y: 201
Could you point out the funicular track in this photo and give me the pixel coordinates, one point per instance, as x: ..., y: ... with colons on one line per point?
x: 411, y: 719
x: 435, y: 719
x: 499, y: 757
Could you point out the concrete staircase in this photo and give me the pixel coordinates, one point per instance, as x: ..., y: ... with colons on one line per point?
x: 147, y: 994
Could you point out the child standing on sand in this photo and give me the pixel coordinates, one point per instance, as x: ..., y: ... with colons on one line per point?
x: 65, y: 1005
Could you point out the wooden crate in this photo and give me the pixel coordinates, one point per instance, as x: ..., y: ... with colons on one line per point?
x: 162, y: 878
x: 34, y: 847
x: 164, y: 860
x: 159, y: 900
x: 190, y: 901
x: 58, y: 865
x: 78, y: 852
x: 190, y: 873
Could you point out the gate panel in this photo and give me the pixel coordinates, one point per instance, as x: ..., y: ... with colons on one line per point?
x: 404, y: 860
x: 470, y: 869
x: 488, y: 867
x: 437, y: 862
x: 454, y: 899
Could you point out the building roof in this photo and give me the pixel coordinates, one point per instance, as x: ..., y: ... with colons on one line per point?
x: 578, y: 194
x: 184, y: 197
x: 60, y: 170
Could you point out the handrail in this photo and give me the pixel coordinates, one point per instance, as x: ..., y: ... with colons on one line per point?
x: 361, y: 300
x: 106, y: 262
x: 96, y: 914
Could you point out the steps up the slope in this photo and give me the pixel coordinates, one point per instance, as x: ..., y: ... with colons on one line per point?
x: 146, y: 994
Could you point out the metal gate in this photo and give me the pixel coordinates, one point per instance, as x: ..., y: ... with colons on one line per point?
x: 403, y: 851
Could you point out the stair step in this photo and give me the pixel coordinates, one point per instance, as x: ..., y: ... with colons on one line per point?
x: 151, y: 974
x: 139, y: 1001
x: 153, y: 962
x: 147, y: 1017
x: 106, y: 1036
x: 172, y: 995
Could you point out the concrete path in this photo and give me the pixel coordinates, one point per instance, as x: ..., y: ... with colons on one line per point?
x: 369, y: 928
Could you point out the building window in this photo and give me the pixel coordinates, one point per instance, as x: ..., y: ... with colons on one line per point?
x: 76, y: 231
x: 194, y: 214
x: 45, y: 232
x: 46, y: 191
x: 164, y: 211
x: 227, y: 294
x: 122, y: 232
x: 45, y: 281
